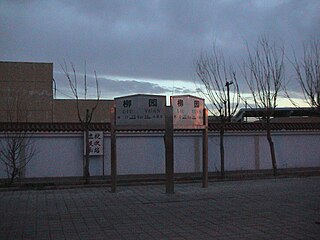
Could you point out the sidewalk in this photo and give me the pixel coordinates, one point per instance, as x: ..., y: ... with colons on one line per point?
x: 147, y: 179
x: 286, y: 208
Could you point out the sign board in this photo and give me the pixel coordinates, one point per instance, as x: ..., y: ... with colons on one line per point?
x: 187, y: 112
x: 140, y: 112
x: 95, y: 143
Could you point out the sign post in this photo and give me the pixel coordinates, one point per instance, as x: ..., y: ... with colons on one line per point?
x: 205, y: 174
x: 138, y: 112
x: 113, y: 150
x: 95, y: 147
x: 168, y: 139
x: 189, y: 113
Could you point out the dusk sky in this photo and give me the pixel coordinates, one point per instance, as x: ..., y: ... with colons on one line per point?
x: 147, y: 46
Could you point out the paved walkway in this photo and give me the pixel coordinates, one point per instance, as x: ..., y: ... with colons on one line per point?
x: 256, y: 209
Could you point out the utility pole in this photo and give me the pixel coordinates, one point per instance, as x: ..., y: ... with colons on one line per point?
x: 228, y: 92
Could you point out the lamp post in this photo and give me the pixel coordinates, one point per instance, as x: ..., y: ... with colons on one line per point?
x: 228, y: 92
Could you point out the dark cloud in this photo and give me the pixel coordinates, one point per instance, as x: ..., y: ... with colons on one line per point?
x: 111, y: 87
x: 127, y: 87
x: 147, y: 39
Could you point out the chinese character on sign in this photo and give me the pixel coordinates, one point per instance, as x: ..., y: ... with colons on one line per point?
x: 187, y: 112
x: 97, y: 135
x: 180, y: 103
x: 196, y: 104
x: 153, y: 103
x: 126, y: 103
x: 140, y: 111
x: 95, y: 143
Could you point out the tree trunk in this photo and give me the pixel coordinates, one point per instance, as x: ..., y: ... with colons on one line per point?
x: 13, y: 175
x: 86, y: 162
x: 222, y: 150
x: 14, y: 168
x: 272, y: 150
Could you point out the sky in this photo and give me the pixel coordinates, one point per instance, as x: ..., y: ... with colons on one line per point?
x: 147, y: 46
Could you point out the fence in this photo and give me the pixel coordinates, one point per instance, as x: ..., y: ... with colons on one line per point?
x: 60, y: 154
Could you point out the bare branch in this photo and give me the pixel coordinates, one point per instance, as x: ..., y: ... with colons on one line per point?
x: 307, y: 71
x: 213, y: 72
x: 86, y: 117
x: 264, y: 73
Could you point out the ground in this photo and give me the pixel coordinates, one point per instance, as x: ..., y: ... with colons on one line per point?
x: 281, y: 208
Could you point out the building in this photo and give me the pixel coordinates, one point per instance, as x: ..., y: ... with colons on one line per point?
x: 26, y: 95
x: 289, y: 114
x: 26, y: 92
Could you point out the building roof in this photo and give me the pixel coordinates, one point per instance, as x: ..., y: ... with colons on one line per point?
x: 140, y: 95
x: 51, y: 127
x: 260, y: 126
x: 277, y: 113
x: 213, y: 127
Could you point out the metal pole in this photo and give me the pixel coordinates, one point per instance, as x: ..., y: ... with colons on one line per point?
x: 228, y: 92
x: 169, y: 150
x: 113, y: 150
x: 205, y: 176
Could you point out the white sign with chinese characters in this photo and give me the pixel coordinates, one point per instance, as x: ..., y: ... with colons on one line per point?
x: 187, y: 111
x: 140, y: 111
x: 95, y: 143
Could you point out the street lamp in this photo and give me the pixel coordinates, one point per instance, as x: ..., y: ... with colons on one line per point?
x: 228, y: 92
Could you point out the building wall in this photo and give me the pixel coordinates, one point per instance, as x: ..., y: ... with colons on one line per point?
x: 61, y: 155
x: 65, y: 110
x: 26, y: 91
x: 26, y: 95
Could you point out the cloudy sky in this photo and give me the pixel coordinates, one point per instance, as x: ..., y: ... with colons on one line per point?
x: 146, y: 46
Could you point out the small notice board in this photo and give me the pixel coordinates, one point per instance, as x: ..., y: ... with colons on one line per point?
x: 187, y: 112
x: 95, y: 143
x: 140, y: 111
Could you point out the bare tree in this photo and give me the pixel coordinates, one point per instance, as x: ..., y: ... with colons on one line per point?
x: 16, y: 151
x: 16, y: 147
x: 85, y: 117
x: 307, y: 69
x: 264, y: 73
x: 220, y: 87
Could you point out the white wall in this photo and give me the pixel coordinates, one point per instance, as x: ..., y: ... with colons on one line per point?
x: 295, y: 151
x: 57, y: 156
x: 61, y: 154
x: 140, y: 154
x: 188, y: 153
